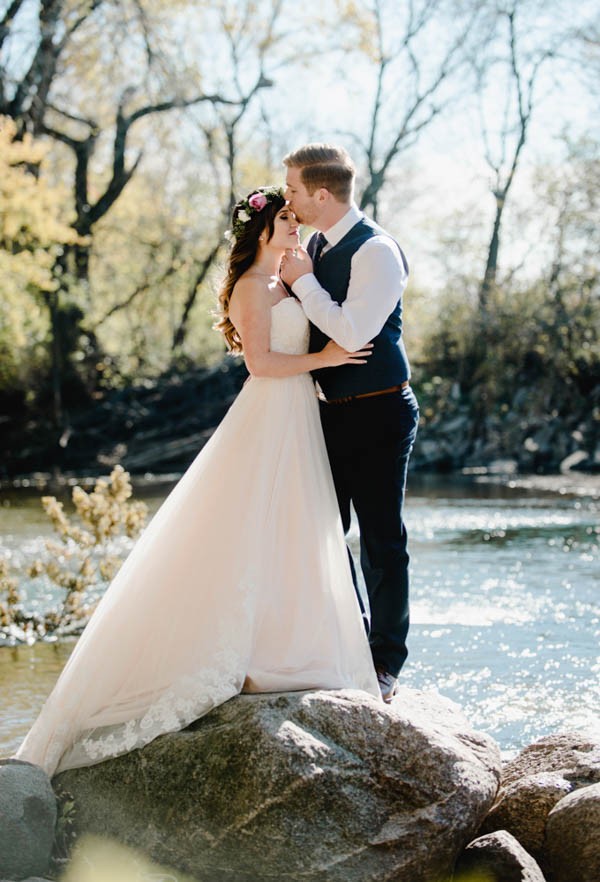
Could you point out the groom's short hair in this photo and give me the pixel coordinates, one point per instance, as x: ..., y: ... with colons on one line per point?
x: 324, y: 165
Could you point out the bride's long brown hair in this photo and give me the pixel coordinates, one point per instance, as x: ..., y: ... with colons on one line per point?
x: 243, y: 252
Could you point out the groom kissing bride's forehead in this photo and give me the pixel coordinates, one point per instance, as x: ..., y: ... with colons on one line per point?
x: 265, y: 603
x: 318, y: 177
x: 350, y: 279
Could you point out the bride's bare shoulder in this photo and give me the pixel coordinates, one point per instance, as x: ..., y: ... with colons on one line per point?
x: 250, y: 281
x: 250, y: 292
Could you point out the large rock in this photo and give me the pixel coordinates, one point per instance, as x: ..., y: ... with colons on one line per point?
x: 319, y: 786
x: 572, y: 847
x: 536, y: 780
x: 523, y: 807
x: 497, y: 857
x: 27, y: 820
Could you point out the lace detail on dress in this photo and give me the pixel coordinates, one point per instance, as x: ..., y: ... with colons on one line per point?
x: 190, y: 697
x: 187, y: 700
x: 289, y: 327
x: 241, y: 577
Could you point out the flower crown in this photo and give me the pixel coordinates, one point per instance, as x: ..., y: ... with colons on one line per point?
x: 247, y: 208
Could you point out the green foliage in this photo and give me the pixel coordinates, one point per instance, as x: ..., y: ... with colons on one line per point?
x: 540, y: 335
x: 144, y: 262
x: 65, y: 833
x: 9, y: 591
x: 70, y: 329
x: 81, y: 559
x: 527, y: 341
x: 33, y: 235
x: 100, y: 859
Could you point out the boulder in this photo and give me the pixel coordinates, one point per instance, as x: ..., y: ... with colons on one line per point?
x: 27, y: 819
x: 524, y: 805
x: 497, y: 857
x: 536, y: 780
x: 320, y: 786
x: 572, y: 846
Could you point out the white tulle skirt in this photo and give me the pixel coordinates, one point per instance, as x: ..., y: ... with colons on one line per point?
x: 240, y: 582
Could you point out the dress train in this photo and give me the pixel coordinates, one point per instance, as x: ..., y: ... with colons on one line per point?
x: 241, y: 581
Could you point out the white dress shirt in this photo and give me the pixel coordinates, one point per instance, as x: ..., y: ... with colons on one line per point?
x: 377, y: 279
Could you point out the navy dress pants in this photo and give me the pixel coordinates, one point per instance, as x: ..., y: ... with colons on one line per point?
x: 369, y: 441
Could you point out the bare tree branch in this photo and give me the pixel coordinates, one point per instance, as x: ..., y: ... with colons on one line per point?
x: 205, y: 265
x: 29, y: 98
x: 420, y: 109
x: 179, y: 103
x: 523, y: 107
x: 143, y: 286
x: 85, y: 120
x: 229, y: 127
x: 89, y: 10
x: 143, y: 19
x: 7, y: 20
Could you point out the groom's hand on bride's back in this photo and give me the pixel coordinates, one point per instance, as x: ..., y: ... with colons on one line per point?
x: 296, y: 262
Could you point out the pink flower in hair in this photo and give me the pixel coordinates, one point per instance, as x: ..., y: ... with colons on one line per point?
x: 258, y: 201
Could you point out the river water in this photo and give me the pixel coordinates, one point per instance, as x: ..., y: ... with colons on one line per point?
x: 505, y: 604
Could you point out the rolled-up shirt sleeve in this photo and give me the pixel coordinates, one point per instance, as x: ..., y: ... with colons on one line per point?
x: 378, y: 277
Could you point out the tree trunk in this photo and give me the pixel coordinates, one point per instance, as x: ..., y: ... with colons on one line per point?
x: 51, y: 299
x: 488, y: 282
x: 370, y: 196
x: 182, y: 329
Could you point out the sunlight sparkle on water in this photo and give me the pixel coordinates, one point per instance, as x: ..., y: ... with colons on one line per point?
x: 505, y: 613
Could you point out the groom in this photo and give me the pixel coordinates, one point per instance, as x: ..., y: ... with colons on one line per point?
x: 350, y: 282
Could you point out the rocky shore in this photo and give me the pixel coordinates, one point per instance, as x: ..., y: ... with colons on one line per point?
x: 160, y: 425
x: 527, y: 435
x: 318, y: 786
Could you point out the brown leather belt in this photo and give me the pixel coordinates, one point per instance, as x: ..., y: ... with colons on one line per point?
x: 364, y: 394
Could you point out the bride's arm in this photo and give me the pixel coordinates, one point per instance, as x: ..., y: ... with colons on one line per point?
x: 250, y: 312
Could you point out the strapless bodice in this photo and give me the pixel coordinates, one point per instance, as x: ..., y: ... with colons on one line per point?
x: 289, y: 327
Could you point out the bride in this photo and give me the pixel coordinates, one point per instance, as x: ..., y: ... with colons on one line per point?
x: 241, y: 582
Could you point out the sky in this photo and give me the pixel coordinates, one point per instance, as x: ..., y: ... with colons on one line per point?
x: 445, y: 174
x: 441, y: 181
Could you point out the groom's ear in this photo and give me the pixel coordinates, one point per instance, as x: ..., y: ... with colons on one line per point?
x: 323, y: 194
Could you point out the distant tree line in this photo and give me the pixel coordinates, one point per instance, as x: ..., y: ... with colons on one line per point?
x: 128, y: 130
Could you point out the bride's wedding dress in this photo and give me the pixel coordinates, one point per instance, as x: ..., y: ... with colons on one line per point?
x: 240, y: 582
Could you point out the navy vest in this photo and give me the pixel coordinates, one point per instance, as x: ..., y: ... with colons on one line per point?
x: 388, y: 365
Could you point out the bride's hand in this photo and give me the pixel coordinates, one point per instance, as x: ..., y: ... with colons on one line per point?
x: 333, y: 355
